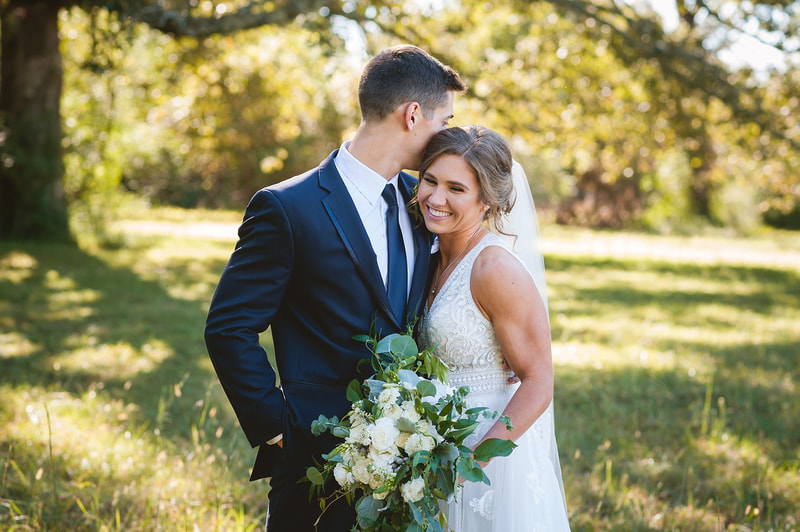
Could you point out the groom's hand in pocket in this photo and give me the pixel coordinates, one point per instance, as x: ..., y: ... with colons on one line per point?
x: 513, y: 379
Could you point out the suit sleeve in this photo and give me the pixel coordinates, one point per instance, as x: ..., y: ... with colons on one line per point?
x: 249, y: 294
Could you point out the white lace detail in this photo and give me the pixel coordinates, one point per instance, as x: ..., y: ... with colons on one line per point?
x: 464, y: 338
x: 484, y: 506
x: 525, y: 494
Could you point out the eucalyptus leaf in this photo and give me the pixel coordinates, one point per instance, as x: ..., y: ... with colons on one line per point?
x: 493, y: 447
x: 385, y: 344
x: 406, y: 375
x: 426, y: 388
x: 404, y: 345
x: 368, y: 509
x: 340, y: 432
x: 375, y: 388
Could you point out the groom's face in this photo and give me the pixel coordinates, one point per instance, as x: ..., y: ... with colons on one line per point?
x: 425, y: 128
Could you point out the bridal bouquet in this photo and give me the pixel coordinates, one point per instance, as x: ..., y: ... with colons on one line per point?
x: 403, y: 447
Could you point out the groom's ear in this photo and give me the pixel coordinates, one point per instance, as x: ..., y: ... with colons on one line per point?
x: 411, y: 114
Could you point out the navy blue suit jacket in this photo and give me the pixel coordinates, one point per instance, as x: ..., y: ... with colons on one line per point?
x: 304, y: 266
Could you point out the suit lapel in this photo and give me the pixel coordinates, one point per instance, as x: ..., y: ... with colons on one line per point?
x: 347, y: 222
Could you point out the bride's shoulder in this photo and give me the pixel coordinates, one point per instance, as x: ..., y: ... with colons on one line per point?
x: 496, y: 267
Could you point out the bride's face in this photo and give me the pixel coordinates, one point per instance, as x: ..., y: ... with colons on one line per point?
x: 449, y: 197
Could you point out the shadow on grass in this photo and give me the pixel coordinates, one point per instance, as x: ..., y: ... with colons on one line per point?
x: 65, y: 303
x: 725, y: 438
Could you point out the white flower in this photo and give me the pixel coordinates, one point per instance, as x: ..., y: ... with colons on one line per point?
x: 393, y: 411
x: 402, y: 438
x: 380, y: 495
x: 360, y: 471
x: 413, y: 444
x: 359, y: 434
x: 409, y: 412
x: 412, y: 491
x: 384, y: 434
x: 389, y: 395
x: 342, y: 475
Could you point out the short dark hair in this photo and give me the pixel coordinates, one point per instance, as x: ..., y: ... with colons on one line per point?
x: 401, y: 74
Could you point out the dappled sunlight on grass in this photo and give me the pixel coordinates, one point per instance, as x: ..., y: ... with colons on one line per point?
x: 105, y: 454
x: 676, y: 381
x: 112, y: 361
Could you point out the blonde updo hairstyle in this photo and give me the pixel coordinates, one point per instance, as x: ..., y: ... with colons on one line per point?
x: 489, y: 156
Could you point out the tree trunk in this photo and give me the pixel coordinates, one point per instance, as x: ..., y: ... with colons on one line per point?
x: 32, y: 204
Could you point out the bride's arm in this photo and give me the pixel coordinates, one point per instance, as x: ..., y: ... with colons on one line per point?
x: 507, y: 295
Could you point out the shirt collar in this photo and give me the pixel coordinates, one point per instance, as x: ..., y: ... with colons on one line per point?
x: 369, y: 183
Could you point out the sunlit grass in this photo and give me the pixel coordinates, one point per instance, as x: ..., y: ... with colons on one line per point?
x: 676, y: 381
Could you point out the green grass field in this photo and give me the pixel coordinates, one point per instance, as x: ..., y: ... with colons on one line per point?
x: 677, y: 371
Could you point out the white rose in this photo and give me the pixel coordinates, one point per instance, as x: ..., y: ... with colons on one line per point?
x: 393, y: 411
x: 359, y: 435
x: 384, y: 434
x: 389, y: 395
x: 409, y: 412
x: 360, y: 471
x: 342, y: 475
x: 413, y: 444
x: 402, y: 439
x: 412, y: 491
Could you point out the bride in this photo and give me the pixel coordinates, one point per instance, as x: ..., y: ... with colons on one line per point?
x: 487, y: 304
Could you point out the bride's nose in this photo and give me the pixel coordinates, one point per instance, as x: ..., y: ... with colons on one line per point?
x: 437, y: 196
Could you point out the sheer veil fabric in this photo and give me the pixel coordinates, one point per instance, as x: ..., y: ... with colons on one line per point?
x: 520, y: 230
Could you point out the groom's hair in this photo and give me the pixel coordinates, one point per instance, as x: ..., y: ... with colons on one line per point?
x: 403, y: 74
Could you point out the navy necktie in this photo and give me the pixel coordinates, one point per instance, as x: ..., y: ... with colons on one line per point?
x: 397, y: 278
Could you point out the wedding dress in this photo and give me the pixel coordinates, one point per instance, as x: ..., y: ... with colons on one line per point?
x: 526, y: 492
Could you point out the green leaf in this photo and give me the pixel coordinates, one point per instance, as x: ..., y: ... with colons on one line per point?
x: 385, y: 343
x: 469, y: 470
x: 492, y: 447
x: 367, y: 510
x: 405, y: 346
x: 361, y: 338
x: 413, y: 527
x: 406, y: 375
x: 354, y: 392
x: 447, y: 451
x: 426, y: 388
x: 313, y: 474
x: 420, y: 457
x: 406, y: 425
x: 340, y: 432
x: 375, y: 388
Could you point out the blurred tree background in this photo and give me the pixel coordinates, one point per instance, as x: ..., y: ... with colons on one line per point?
x: 621, y: 119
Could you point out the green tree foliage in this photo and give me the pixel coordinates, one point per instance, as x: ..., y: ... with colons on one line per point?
x: 618, y: 122
x: 32, y: 199
x: 600, y: 87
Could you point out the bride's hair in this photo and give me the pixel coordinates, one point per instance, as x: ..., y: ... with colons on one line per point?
x: 489, y: 156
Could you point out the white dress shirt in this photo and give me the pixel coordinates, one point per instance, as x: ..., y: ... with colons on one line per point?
x: 365, y: 187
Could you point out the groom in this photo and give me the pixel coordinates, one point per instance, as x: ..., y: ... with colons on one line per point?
x: 321, y: 257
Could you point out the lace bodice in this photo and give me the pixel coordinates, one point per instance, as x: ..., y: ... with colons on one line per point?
x: 463, y: 337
